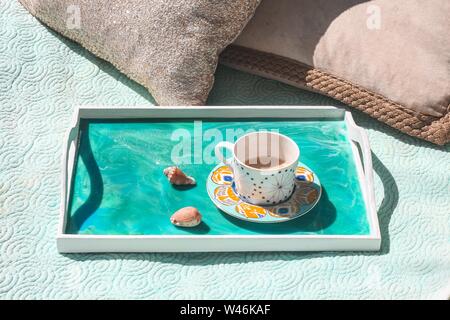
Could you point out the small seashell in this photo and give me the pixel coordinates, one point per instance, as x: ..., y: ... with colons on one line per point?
x: 186, y: 217
x: 178, y: 177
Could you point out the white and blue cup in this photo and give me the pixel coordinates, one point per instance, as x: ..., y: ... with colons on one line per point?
x: 263, y: 165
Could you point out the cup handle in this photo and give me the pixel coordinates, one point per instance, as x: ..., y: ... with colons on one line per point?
x: 218, y: 151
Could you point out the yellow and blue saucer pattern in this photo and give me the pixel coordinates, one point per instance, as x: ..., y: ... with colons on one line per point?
x: 306, y: 195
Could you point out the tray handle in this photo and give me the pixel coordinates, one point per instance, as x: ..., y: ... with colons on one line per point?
x: 367, y: 160
x: 359, y: 136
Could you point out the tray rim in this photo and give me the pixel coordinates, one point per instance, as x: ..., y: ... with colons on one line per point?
x: 71, y: 243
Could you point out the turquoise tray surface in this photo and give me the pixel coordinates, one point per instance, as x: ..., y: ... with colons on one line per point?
x: 119, y: 187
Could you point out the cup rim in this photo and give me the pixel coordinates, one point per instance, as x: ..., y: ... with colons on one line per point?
x: 297, y: 151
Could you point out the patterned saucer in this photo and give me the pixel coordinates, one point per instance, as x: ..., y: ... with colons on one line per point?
x: 306, y: 195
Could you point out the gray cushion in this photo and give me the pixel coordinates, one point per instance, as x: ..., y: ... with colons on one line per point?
x: 171, y: 47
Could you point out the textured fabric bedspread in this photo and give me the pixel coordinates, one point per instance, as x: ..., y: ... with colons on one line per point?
x: 43, y: 77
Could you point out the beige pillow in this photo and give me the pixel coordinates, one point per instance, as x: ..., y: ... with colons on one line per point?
x: 169, y: 46
x: 388, y: 58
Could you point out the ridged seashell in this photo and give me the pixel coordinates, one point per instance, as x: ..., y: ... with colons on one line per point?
x: 178, y: 177
x: 186, y: 217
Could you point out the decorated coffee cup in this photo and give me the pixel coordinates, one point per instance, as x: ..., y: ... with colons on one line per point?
x: 263, y: 165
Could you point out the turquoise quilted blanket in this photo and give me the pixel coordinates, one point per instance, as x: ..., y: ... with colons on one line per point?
x: 43, y: 77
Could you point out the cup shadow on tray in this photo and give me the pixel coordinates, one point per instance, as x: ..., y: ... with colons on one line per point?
x: 319, y: 218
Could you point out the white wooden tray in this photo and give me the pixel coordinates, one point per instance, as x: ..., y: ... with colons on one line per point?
x: 69, y: 242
